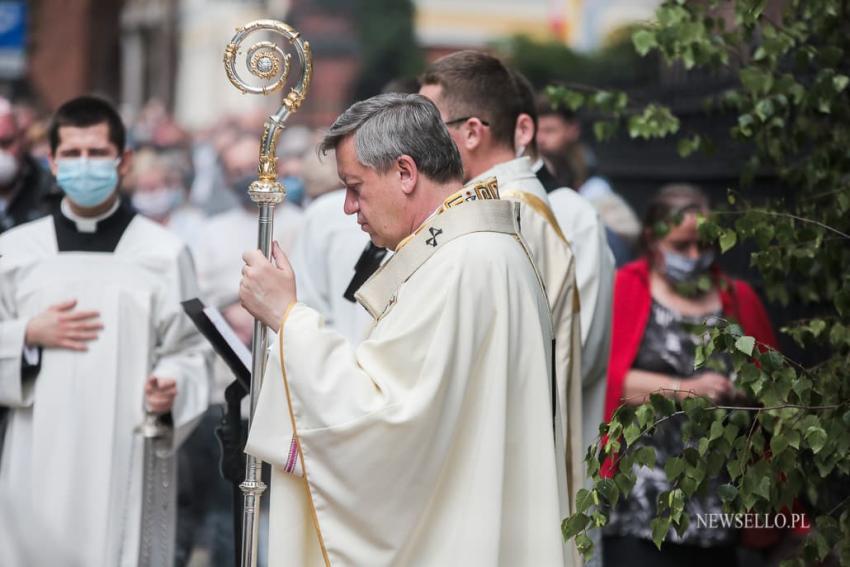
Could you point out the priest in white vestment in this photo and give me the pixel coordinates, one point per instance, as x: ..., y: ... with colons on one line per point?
x: 93, y: 338
x: 434, y: 443
x: 595, y: 267
x: 477, y: 101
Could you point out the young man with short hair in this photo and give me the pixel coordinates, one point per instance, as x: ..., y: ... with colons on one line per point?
x: 479, y: 102
x: 93, y: 343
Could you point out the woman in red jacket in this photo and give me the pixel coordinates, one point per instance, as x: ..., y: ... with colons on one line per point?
x: 658, y: 300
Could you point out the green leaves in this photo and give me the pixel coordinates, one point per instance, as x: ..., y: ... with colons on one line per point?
x: 727, y: 492
x: 755, y: 80
x: 660, y: 527
x: 728, y: 238
x: 631, y: 433
x: 584, y: 500
x: 573, y: 525
x: 644, y: 414
x: 655, y: 122
x: 676, y: 501
x: 604, y: 129
x: 687, y: 146
x: 791, y: 117
x: 745, y: 345
x: 573, y: 99
x: 644, y: 41
x: 816, y: 438
x: 674, y: 467
x: 645, y: 456
x: 662, y: 405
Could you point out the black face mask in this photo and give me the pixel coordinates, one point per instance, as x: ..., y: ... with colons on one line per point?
x: 241, y: 186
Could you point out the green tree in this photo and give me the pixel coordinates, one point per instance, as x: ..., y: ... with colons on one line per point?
x: 791, y: 60
x: 614, y: 65
x: 388, y: 44
x: 386, y: 41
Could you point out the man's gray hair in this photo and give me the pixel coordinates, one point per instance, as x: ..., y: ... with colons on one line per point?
x: 387, y: 126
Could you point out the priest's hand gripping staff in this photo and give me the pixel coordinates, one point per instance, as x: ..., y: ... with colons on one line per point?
x: 268, y: 62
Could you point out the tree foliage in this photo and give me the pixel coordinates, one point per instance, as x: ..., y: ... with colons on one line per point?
x: 388, y: 47
x: 542, y: 62
x: 792, y: 107
x: 386, y: 41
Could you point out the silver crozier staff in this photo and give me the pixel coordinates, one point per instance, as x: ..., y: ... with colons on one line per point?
x: 267, y: 61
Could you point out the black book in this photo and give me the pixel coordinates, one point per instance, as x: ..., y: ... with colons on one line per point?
x: 222, y: 337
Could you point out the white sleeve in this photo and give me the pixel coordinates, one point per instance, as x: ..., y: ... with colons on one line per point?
x: 181, y: 353
x: 32, y: 355
x: 14, y: 390
x: 309, y: 262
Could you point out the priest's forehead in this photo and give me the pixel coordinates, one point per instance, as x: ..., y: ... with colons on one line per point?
x: 84, y: 140
x: 348, y: 166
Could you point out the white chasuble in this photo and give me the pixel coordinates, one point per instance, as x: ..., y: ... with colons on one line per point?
x: 72, y: 454
x: 595, y: 270
x: 432, y: 443
x: 554, y: 259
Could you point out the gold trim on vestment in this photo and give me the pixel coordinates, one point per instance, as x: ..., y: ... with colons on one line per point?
x: 543, y: 210
x: 313, y: 512
x: 486, y: 189
x: 538, y: 205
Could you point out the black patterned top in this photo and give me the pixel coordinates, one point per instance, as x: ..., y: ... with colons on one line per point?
x: 668, y: 347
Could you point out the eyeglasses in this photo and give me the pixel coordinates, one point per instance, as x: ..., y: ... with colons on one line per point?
x: 464, y: 119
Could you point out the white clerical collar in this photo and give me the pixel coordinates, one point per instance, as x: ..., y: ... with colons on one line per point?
x: 86, y: 224
x: 515, y: 168
x: 538, y: 165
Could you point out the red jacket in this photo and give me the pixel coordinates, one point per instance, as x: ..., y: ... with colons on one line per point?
x: 632, y: 304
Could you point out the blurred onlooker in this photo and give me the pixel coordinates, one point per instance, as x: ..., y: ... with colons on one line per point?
x: 294, y: 145
x: 161, y: 181
x: 572, y: 164
x: 227, y: 235
x: 37, y: 142
x: 658, y: 299
x: 209, y: 189
x: 320, y: 176
x: 26, y: 188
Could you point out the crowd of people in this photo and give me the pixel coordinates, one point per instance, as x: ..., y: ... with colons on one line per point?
x: 106, y: 229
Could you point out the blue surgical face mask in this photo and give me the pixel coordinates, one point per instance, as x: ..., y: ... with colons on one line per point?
x: 87, y: 182
x: 158, y: 203
x: 295, y: 189
x: 682, y: 269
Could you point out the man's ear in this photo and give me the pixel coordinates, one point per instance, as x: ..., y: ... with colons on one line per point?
x: 408, y: 173
x: 472, y: 134
x: 524, y: 131
x: 51, y: 162
x: 126, y: 163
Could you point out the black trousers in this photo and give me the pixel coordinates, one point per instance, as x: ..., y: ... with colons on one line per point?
x: 626, y: 551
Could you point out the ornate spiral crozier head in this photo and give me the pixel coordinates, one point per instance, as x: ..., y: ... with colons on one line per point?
x: 269, y: 62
